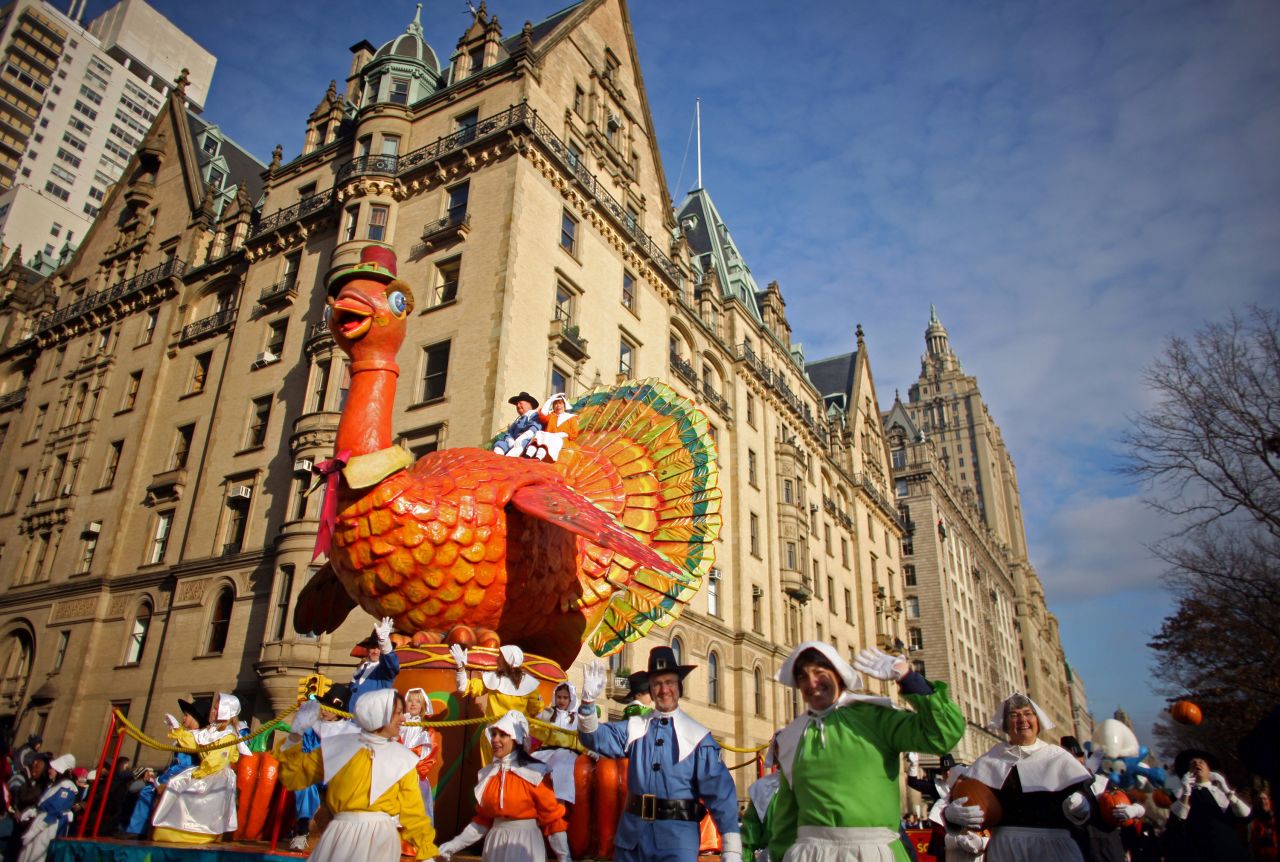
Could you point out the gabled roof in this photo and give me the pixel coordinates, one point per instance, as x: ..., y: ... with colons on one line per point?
x: 242, y: 167
x: 540, y: 30
x: 833, y: 377
x: 713, y: 248
x: 898, y: 417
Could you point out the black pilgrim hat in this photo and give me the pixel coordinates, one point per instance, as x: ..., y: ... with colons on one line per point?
x: 336, y: 696
x: 637, y: 683
x: 197, y: 709
x: 523, y: 396
x: 663, y: 660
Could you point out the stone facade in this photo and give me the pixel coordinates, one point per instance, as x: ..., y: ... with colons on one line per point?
x: 163, y: 392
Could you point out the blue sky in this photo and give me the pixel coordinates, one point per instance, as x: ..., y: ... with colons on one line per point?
x: 1070, y: 183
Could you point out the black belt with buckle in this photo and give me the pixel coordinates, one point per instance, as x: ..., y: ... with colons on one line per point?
x: 650, y: 807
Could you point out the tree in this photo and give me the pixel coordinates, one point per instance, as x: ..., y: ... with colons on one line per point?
x: 1209, y: 450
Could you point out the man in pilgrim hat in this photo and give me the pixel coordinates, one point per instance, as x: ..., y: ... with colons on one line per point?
x: 675, y: 775
x: 521, y: 431
x: 380, y: 665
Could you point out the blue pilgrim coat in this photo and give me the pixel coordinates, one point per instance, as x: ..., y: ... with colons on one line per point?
x: 380, y: 676
x: 655, y: 768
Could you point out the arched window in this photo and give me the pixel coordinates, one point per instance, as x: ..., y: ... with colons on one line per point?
x: 17, y: 667
x: 677, y: 647
x: 757, y: 679
x: 138, y: 634
x: 713, y: 678
x: 220, y: 625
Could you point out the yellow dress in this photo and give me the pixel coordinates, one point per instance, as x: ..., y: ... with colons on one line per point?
x: 348, y: 791
x: 499, y: 703
x: 207, y: 810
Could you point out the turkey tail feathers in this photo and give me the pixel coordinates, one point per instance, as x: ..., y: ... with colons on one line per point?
x: 647, y: 457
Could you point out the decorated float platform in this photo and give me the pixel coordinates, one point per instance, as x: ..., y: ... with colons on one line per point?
x: 119, y: 850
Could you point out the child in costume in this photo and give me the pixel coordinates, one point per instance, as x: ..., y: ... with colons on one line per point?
x: 421, y: 741
x: 306, y: 802
x: 521, y: 431
x: 560, y: 747
x: 506, y: 688
x: 559, y: 427
x: 199, y: 803
x: 372, y: 783
x: 515, y: 805
x: 53, y: 813
x: 380, y: 666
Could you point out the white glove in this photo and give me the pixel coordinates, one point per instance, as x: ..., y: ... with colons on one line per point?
x: 307, y: 717
x: 731, y: 847
x: 913, y: 764
x: 962, y: 814
x: 969, y: 842
x: 459, y: 656
x: 383, y: 631
x: 1219, y: 782
x: 473, y: 833
x: 559, y: 843
x: 1076, y: 808
x: 244, y: 749
x: 1129, y: 812
x: 173, y: 722
x: 593, y: 677
x: 878, y: 664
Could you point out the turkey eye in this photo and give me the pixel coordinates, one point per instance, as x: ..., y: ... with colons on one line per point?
x: 399, y: 304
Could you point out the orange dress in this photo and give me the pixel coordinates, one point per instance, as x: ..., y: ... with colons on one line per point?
x: 556, y: 431
x: 511, y: 796
x: 515, y: 808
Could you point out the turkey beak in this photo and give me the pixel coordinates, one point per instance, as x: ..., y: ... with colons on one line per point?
x: 351, y: 316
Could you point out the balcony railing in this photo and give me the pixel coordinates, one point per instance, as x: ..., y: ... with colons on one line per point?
x: 289, y: 214
x: 286, y: 289
x: 778, y: 383
x: 13, y: 399
x: 452, y: 226
x: 317, y: 331
x: 570, y: 339
x: 383, y: 166
x: 717, y: 401
x: 208, y: 325
x: 886, y: 505
x: 94, y: 301
x: 684, y: 370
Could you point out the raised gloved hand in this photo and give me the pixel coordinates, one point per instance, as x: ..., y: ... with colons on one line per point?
x: 459, y: 656
x: 961, y: 813
x: 559, y: 843
x: 1076, y: 808
x: 1188, y: 785
x: 383, y: 631
x: 172, y: 721
x: 307, y: 717
x: 593, y: 677
x: 877, y: 663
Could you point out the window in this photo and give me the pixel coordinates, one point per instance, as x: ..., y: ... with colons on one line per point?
x: 220, y: 624
x: 400, y: 91
x: 751, y: 410
x: 448, y: 273
x: 915, y: 638
x: 57, y: 191
x: 466, y: 125
x: 457, y: 203
x: 182, y: 447
x: 757, y: 683
x: 900, y: 487
x: 477, y: 59
x: 149, y: 326
x: 351, y: 219
x: 568, y: 233
x: 60, y: 655
x: 579, y: 100
x: 751, y: 468
x: 626, y: 357
x: 871, y: 527
x: 88, y: 547
x: 237, y: 520
x: 283, y: 593
x: 200, y: 372
x: 817, y: 581
x: 131, y: 387
x: 559, y: 380
x: 677, y: 647
x: 909, y: 575
x: 435, y: 371
x: 564, y: 304
x: 86, y: 110
x: 138, y: 634
x: 713, y: 678
x: 91, y: 211
x: 918, y: 664
x: 848, y: 606
x: 113, y: 463
x: 844, y: 551
x: 791, y: 561
x: 37, y: 422
x: 629, y: 291
x: 757, y: 610
x: 15, y: 490
x: 378, y: 222
x: 755, y: 534
x: 713, y: 593
x: 898, y: 458
x: 831, y: 594
x: 390, y: 145
x: 913, y: 608
x: 276, y: 331
x: 788, y: 491
x: 319, y: 384
x: 259, y: 416
x: 210, y: 145
x: 216, y: 179
x: 423, y: 441
x: 160, y: 538
x: 68, y: 157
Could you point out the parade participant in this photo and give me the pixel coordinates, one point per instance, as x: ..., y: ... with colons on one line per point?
x: 1100, y: 840
x: 380, y: 666
x: 420, y: 741
x: 638, y: 701
x: 199, y: 804
x: 506, y: 688
x: 560, y: 746
x: 29, y: 785
x: 27, y: 752
x: 1203, y: 819
x: 675, y: 773
x: 372, y: 782
x: 521, y: 431
x: 757, y: 822
x: 1043, y: 790
x: 515, y: 803
x: 559, y: 428
x: 53, y: 814
x: 306, y: 802
x: 1262, y: 829
x: 840, y: 759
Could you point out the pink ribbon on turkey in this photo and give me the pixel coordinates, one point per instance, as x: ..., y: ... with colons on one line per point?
x: 329, y: 471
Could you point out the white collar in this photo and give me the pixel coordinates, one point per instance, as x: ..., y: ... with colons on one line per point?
x: 789, y: 737
x: 530, y: 772
x: 502, y: 684
x: 1041, y: 766
x: 391, y: 760
x: 325, y: 729
x: 688, y: 732
x: 762, y: 793
x: 209, y: 735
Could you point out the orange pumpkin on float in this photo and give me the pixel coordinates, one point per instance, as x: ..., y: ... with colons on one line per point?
x: 1186, y: 712
x: 1109, y: 802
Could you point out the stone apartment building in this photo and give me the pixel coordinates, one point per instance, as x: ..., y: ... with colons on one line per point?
x: 163, y: 392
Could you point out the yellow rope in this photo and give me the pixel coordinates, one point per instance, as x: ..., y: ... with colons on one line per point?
x: 133, y: 731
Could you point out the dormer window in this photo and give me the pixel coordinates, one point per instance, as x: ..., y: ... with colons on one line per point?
x: 477, y: 59
x: 400, y: 91
x: 211, y: 145
x: 216, y: 178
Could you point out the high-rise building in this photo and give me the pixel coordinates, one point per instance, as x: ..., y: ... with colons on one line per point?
x: 76, y: 103
x: 162, y: 392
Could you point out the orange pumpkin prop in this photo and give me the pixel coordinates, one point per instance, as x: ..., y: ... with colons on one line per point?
x: 1186, y: 712
x: 982, y: 796
x: 1109, y: 801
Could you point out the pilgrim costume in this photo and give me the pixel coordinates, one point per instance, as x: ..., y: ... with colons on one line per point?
x: 558, y: 429
x: 374, y: 675
x: 838, y: 797
x: 521, y: 431
x: 199, y: 803
x: 674, y: 777
x: 1203, y: 819
x: 560, y: 746
x: 372, y: 785
x: 1043, y: 791
x: 515, y: 805
x: 502, y: 692
x: 422, y: 741
x: 757, y: 821
x: 53, y: 813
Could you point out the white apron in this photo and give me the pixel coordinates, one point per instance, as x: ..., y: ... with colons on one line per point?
x: 842, y: 844
x: 204, y: 805
x: 514, y: 841
x: 359, y: 836
x: 562, y: 762
x: 1027, y: 844
x: 35, y: 843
